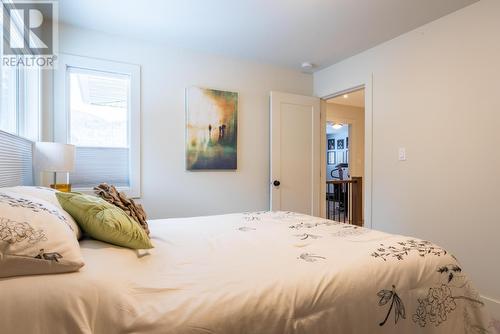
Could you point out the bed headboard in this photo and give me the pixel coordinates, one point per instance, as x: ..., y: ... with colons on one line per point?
x: 16, y: 161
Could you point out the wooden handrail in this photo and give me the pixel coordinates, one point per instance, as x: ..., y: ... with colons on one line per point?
x: 353, y: 180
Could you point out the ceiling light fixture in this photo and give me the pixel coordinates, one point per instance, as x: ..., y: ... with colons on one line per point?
x: 307, y: 66
x: 337, y: 126
x: 346, y: 96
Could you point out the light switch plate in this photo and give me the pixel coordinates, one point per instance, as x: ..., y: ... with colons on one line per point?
x: 402, y: 154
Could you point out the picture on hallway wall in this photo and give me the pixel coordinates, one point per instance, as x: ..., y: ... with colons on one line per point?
x: 211, y: 129
x: 331, y: 144
x: 340, y: 144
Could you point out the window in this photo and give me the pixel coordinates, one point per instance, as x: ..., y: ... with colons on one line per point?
x: 98, y: 106
x: 20, y: 101
x: 20, y: 97
x: 99, y: 114
x: 8, y: 107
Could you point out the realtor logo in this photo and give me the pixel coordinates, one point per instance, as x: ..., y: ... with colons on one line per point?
x: 29, y: 33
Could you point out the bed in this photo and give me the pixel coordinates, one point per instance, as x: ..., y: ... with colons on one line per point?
x: 260, y: 272
x: 257, y: 272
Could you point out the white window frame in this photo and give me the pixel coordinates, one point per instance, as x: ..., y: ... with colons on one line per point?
x: 61, y: 109
x: 20, y: 106
x: 23, y: 114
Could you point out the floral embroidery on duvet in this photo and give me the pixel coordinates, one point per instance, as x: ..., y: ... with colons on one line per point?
x: 440, y: 303
x: 443, y: 299
x: 404, y: 248
x: 309, y: 257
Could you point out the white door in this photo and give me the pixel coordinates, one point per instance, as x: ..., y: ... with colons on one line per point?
x: 295, y: 153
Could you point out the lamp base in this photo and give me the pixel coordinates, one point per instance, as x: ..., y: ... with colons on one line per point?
x: 64, y: 187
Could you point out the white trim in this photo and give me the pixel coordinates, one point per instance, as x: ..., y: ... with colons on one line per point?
x: 322, y: 173
x: 367, y: 84
x: 61, y: 119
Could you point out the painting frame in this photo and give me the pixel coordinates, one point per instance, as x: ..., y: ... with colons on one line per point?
x: 211, y: 129
x: 340, y: 144
x: 331, y: 143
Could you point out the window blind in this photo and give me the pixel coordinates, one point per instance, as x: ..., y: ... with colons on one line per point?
x: 16, y: 161
x: 95, y: 165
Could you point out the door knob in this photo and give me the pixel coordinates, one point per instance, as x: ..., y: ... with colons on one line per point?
x: 276, y: 183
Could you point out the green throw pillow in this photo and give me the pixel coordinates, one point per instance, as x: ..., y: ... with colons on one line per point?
x: 104, y: 221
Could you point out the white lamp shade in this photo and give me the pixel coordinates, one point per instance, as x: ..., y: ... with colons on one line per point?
x: 54, y: 157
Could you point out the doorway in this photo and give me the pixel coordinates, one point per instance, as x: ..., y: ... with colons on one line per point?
x: 345, y: 157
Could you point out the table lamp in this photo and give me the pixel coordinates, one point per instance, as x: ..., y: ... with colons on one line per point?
x: 55, y: 158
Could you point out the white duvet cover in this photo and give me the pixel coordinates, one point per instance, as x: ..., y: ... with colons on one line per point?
x: 251, y: 273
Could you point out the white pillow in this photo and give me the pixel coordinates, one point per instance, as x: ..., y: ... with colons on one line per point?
x: 35, y: 237
x: 48, y: 195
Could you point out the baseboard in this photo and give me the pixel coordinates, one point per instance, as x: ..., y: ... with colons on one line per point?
x: 493, y: 306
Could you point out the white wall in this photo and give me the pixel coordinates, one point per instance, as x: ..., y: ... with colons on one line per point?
x: 168, y: 189
x: 430, y: 88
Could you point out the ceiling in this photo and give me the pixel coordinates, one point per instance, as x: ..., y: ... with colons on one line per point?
x: 353, y: 99
x: 331, y: 131
x: 280, y: 32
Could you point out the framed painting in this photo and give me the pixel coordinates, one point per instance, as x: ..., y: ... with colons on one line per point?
x: 331, y: 144
x: 211, y: 129
x: 340, y: 144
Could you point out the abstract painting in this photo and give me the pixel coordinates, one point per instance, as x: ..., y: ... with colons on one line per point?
x: 211, y: 129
